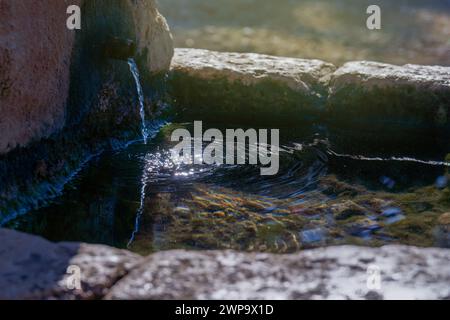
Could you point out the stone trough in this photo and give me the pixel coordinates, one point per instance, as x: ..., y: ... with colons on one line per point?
x: 398, y: 104
x: 59, y: 111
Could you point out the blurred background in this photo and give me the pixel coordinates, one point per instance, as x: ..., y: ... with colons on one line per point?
x: 413, y: 31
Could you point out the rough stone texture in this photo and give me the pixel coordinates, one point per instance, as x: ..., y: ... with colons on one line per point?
x: 378, y: 97
x: 370, y: 74
x: 33, y: 268
x: 245, y: 85
x: 410, y: 95
x: 329, y: 273
x: 251, y: 68
x: 36, y: 51
x: 154, y: 39
x: 62, y: 125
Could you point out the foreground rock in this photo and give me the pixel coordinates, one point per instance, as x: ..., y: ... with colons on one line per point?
x: 248, y: 87
x: 329, y: 273
x: 33, y: 268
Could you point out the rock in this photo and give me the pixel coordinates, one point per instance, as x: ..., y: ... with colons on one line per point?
x: 442, y: 231
x: 444, y: 219
x: 384, y: 95
x: 391, y: 212
x: 61, y: 100
x: 121, y: 49
x: 392, y: 215
x: 347, y: 209
x: 370, y: 75
x: 33, y: 268
x: 248, y: 87
x: 251, y: 68
x: 38, y: 53
x: 362, y: 228
x: 35, y: 52
x: 326, y: 273
x: 312, y: 235
x: 154, y: 41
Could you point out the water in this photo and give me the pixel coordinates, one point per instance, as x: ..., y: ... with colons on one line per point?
x: 135, y: 71
x: 144, y: 182
x: 143, y: 199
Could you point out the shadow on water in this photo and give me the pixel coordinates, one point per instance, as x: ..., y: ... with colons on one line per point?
x: 145, y: 199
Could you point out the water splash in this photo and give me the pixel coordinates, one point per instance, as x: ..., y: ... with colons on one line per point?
x: 135, y: 71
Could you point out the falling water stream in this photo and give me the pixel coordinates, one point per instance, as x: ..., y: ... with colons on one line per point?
x: 135, y: 71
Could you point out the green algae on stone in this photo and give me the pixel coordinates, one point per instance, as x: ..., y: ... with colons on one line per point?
x: 238, y: 224
x: 381, y: 97
x: 248, y: 88
x: 402, y: 106
x: 165, y: 134
x: 232, y: 101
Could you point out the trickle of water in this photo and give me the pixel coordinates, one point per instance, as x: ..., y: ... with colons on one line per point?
x: 140, y: 211
x: 135, y: 71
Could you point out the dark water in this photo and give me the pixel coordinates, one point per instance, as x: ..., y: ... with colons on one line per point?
x: 144, y: 199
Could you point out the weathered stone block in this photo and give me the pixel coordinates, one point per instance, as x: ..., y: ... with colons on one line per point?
x: 379, y: 96
x: 248, y: 88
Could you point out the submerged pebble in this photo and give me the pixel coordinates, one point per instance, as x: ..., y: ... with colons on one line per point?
x: 392, y: 211
x: 394, y: 219
x: 393, y: 215
x: 441, y: 182
x: 363, y: 228
x: 442, y: 231
x: 387, y: 182
x: 312, y: 235
x: 444, y: 219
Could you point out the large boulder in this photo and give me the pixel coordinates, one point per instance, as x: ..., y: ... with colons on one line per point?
x: 36, y: 54
x: 248, y: 87
x: 62, y: 99
x: 33, y: 268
